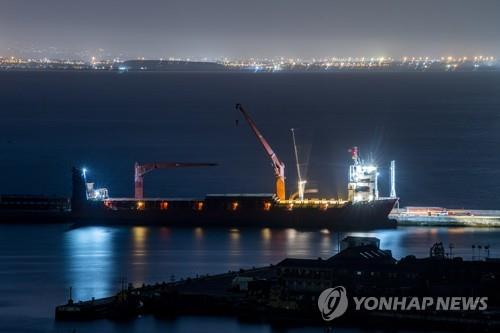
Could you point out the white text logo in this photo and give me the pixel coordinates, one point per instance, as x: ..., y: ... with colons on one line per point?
x: 332, y: 303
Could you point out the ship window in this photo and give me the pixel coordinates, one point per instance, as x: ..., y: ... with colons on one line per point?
x: 198, y: 205
x: 234, y: 205
x: 267, y: 206
x: 164, y: 205
x: 140, y: 205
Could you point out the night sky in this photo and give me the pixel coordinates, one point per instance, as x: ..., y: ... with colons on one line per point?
x: 234, y: 28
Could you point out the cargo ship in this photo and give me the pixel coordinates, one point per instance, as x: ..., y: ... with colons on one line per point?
x: 363, y: 209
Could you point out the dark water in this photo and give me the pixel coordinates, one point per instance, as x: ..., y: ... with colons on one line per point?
x: 38, y: 263
x: 443, y: 129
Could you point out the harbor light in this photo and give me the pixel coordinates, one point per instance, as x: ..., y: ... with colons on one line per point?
x: 370, y: 168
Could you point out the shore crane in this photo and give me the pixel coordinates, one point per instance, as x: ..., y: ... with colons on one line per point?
x: 142, y: 169
x: 278, y: 166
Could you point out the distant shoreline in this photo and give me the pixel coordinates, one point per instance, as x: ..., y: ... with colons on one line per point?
x: 249, y: 67
x: 241, y: 71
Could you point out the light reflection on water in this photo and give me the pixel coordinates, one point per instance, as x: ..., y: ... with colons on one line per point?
x: 99, y: 257
x: 418, y: 240
x: 139, y: 251
x: 91, y: 261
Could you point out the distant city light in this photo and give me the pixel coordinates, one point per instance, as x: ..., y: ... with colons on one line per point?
x: 277, y: 64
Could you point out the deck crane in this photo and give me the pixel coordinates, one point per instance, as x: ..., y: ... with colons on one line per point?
x: 301, y: 185
x: 142, y: 169
x: 301, y: 182
x: 278, y: 166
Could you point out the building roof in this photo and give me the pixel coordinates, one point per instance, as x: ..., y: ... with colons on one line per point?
x: 366, y: 253
x: 352, y: 241
x: 361, y: 239
x: 303, y: 263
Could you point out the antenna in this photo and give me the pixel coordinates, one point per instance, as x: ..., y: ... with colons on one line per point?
x: 301, y: 183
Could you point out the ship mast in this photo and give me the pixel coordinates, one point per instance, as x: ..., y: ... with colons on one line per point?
x: 301, y: 183
x: 393, y: 183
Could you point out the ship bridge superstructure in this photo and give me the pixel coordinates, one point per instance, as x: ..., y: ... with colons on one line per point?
x: 363, y: 179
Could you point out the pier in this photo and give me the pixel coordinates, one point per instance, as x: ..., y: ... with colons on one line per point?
x: 442, y: 217
x: 202, y: 294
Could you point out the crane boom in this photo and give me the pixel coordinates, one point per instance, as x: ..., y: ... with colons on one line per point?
x: 278, y: 166
x: 301, y: 182
x: 296, y: 154
x: 141, y: 169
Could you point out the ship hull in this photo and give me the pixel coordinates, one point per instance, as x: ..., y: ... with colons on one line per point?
x: 362, y: 216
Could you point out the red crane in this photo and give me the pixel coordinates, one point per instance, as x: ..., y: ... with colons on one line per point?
x: 278, y: 166
x: 142, y: 169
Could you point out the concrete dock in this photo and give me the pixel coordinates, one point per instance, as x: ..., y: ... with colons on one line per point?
x: 443, y: 217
